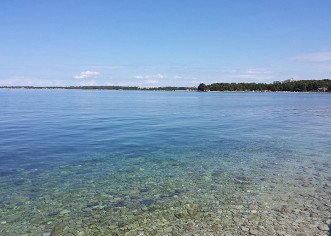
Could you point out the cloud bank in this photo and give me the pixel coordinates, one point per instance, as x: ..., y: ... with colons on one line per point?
x: 86, y: 74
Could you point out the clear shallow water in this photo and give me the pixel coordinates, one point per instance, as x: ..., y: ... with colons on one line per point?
x: 135, y: 162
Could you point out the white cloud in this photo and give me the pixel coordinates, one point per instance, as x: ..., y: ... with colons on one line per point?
x: 86, y: 74
x: 156, y: 76
x: 313, y: 57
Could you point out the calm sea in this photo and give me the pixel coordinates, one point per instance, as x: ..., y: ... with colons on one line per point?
x: 164, y: 163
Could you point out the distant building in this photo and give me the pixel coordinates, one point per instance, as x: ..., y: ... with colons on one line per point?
x: 322, y: 90
x: 284, y: 81
x: 289, y: 80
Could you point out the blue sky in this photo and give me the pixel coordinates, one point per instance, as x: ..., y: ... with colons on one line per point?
x: 163, y: 43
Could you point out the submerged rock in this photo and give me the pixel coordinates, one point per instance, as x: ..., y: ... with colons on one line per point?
x: 57, y: 230
x: 323, y: 227
x: 147, y: 202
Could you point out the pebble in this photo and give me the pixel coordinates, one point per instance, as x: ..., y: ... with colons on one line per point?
x: 197, y: 215
x: 3, y: 222
x: 64, y: 212
x: 46, y: 234
x: 253, y: 232
x: 244, y: 229
x: 167, y: 229
x: 57, y: 230
x: 112, y: 227
x: 281, y: 232
x: 87, y: 209
x: 323, y: 227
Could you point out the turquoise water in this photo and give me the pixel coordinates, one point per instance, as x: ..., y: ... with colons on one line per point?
x: 164, y: 163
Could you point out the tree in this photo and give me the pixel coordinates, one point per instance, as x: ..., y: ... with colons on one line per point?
x: 202, y: 87
x: 329, y: 88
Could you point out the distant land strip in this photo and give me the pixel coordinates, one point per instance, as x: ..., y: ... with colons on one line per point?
x: 105, y: 88
x: 290, y: 85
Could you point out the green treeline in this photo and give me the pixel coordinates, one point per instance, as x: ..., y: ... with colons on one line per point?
x: 295, y: 86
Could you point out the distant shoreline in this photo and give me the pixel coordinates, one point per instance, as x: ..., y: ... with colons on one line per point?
x: 290, y: 85
x: 106, y: 88
x: 150, y: 89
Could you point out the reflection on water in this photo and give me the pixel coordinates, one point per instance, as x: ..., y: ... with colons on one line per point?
x: 145, y: 163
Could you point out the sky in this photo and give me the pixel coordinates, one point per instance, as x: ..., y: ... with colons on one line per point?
x: 152, y: 43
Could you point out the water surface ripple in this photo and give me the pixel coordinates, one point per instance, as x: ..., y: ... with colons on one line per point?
x: 164, y: 163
